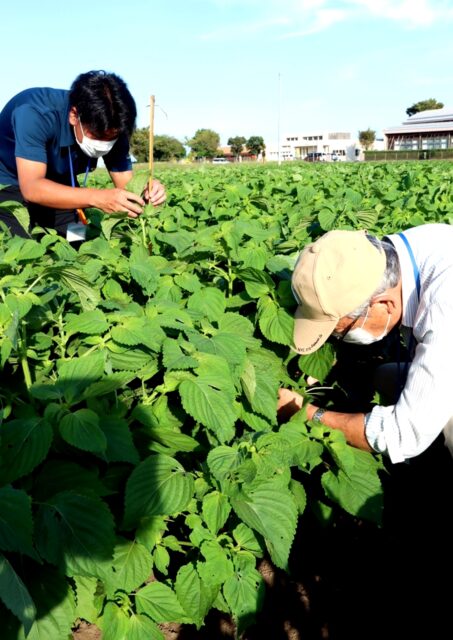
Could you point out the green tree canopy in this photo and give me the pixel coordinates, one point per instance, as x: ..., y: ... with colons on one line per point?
x: 165, y: 147
x: 255, y: 144
x: 168, y: 148
x: 424, y: 105
x: 139, y: 144
x: 205, y: 143
x: 367, y: 138
x: 237, y: 145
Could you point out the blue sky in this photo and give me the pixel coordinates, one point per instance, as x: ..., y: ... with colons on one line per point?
x: 241, y: 67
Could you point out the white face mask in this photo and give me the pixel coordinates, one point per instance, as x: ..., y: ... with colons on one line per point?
x: 360, y: 336
x: 94, y: 148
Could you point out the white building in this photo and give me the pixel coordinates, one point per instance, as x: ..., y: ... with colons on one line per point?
x: 424, y: 131
x: 324, y: 145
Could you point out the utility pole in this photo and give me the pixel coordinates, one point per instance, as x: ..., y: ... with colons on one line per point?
x: 278, y: 117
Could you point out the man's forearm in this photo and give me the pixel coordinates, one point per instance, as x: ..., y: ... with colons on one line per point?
x: 351, y: 424
x: 58, y: 196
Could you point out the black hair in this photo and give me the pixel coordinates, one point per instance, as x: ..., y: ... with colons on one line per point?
x: 103, y: 102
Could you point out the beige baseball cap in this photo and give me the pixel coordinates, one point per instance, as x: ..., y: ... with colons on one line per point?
x: 332, y: 277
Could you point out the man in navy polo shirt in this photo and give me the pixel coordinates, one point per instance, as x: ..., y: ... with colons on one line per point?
x: 49, y: 136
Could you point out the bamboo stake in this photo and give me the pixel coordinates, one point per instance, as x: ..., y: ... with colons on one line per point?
x: 151, y: 142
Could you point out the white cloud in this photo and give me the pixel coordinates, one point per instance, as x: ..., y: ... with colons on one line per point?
x: 298, y: 18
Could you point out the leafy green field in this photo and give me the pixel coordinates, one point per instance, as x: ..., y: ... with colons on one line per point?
x: 143, y: 470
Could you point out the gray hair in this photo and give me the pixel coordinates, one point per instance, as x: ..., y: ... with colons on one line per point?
x: 391, y: 277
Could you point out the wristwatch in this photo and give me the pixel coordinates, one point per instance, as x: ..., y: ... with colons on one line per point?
x: 318, y: 414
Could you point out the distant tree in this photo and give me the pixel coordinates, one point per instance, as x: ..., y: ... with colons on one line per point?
x: 139, y: 144
x: 165, y: 147
x: 255, y: 144
x: 367, y: 138
x: 424, y: 105
x: 237, y: 145
x: 168, y: 148
x: 205, y: 143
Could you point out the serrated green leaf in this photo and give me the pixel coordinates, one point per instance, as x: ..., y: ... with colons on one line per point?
x: 195, y: 597
x: 257, y: 283
x: 76, y: 533
x: 24, y: 444
x: 81, y: 429
x: 158, y: 486
x: 16, y: 524
x: 223, y: 460
x: 216, y: 509
x: 85, y: 589
x: 139, y: 181
x: 270, y: 510
x: 159, y: 602
x: 114, y: 623
x: 327, y: 219
x: 143, y: 628
x: 209, y: 405
x: 359, y: 492
x: 275, y: 322
x: 174, y: 357
x: 319, y: 363
x: 75, y: 375
x: 120, y: 446
x: 132, y: 565
x: 89, y: 322
x: 244, y: 594
x: 142, y: 270
x: 247, y: 540
x: 15, y: 595
x: 236, y: 324
x: 208, y: 301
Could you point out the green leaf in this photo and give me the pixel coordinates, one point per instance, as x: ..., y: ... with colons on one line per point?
x: 247, y: 540
x: 150, y: 531
x: 209, y: 405
x: 236, y: 324
x: 19, y: 212
x: 139, y: 181
x: 76, y: 533
x: 158, y: 486
x: 174, y: 357
x: 24, y: 444
x: 257, y: 283
x: 159, y: 602
x: 120, y: 446
x: 15, y: 595
x: 16, y: 524
x: 267, y: 382
x: 360, y: 492
x: 81, y: 429
x: 208, y: 301
x: 275, y: 322
x: 223, y: 460
x: 319, y: 363
x: 132, y: 565
x: 216, y: 510
x: 217, y: 566
x: 195, y: 596
x: 55, y: 606
x: 270, y: 510
x: 244, y: 594
x: 327, y: 219
x: 89, y: 323
x: 142, y: 270
x: 75, y: 375
x: 143, y: 628
x: 85, y: 590
x: 114, y: 623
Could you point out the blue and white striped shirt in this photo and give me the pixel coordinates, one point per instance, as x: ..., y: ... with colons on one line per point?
x: 425, y: 406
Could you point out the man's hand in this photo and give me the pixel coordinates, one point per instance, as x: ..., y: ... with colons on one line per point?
x: 289, y: 402
x: 114, y: 200
x: 157, y: 194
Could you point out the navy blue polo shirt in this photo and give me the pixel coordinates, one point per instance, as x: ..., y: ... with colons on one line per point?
x: 34, y: 125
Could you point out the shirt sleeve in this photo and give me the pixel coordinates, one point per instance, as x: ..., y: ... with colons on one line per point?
x: 118, y: 159
x: 32, y: 131
x: 406, y: 429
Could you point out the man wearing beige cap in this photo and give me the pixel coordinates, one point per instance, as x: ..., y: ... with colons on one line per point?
x: 356, y: 288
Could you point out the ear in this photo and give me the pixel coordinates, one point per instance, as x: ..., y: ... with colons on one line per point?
x: 73, y: 116
x: 388, y: 298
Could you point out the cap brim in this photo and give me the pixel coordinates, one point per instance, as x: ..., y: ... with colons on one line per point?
x: 310, y: 335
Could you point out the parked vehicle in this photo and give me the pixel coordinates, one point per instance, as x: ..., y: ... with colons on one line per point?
x: 219, y: 161
x: 316, y: 156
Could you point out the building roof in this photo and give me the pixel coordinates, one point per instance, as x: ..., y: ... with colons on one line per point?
x: 431, y: 121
